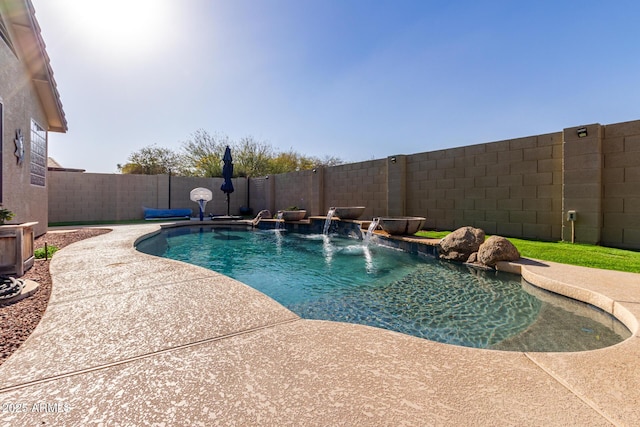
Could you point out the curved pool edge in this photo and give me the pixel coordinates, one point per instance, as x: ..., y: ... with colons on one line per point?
x: 377, y: 376
x: 622, y: 329
x: 570, y: 281
x: 584, y: 284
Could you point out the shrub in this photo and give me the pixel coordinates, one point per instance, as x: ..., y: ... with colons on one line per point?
x: 5, y: 215
x: 41, y: 254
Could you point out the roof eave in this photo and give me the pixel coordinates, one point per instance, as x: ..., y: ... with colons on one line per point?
x: 34, y: 54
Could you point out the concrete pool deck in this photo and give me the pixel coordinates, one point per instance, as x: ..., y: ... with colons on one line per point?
x: 132, y: 339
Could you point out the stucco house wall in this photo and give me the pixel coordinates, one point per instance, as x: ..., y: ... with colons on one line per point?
x: 28, y: 94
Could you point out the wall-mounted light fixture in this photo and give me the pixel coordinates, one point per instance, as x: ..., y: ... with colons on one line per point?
x: 582, y: 132
x: 572, y: 216
x: 393, y: 159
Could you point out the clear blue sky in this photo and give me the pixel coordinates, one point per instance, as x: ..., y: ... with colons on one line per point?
x: 356, y: 79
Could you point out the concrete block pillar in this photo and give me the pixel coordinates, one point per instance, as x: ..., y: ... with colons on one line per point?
x: 270, y: 184
x: 397, y: 185
x: 163, y: 191
x: 582, y: 182
x: 317, y: 193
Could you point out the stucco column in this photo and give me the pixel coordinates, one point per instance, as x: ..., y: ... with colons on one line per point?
x: 582, y: 182
x: 396, y: 185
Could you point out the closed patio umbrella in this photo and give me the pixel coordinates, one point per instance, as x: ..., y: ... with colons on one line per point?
x: 227, y: 173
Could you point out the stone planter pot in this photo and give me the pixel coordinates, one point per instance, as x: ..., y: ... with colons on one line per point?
x: 402, y: 225
x: 348, y: 212
x: 16, y: 248
x: 294, y: 215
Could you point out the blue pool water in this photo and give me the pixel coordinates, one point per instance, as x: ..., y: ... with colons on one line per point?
x: 341, y: 279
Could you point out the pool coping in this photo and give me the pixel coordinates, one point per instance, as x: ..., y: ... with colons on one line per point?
x: 315, y: 369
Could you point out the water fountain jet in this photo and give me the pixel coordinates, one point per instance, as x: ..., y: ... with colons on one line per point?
x: 327, y: 222
x: 372, y: 227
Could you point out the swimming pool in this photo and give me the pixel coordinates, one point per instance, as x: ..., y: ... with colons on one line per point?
x: 340, y: 279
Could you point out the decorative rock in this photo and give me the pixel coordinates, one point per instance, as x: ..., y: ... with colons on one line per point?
x: 460, y: 244
x: 495, y: 249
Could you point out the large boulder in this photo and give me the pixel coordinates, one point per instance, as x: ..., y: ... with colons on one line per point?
x: 460, y: 244
x: 495, y: 249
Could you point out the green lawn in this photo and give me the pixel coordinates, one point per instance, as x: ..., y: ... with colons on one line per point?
x: 568, y: 253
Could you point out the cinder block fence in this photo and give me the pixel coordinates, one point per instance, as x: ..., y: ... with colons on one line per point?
x: 522, y: 187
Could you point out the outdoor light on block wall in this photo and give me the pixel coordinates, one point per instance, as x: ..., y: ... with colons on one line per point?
x: 571, y: 217
x: 582, y: 132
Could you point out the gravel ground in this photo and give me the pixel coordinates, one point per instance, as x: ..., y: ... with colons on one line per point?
x: 18, y: 320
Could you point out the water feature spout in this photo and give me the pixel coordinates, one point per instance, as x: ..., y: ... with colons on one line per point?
x: 327, y: 222
x: 280, y: 223
x: 374, y: 224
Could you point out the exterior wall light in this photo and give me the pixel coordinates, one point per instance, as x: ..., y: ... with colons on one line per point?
x: 582, y: 132
x: 393, y: 159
